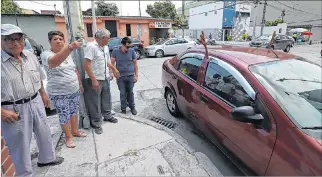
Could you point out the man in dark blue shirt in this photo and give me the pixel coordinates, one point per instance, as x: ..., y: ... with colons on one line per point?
x: 126, y: 64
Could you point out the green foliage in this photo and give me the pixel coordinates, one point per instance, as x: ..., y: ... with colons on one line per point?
x: 162, y: 9
x: 103, y: 9
x: 230, y: 38
x: 274, y: 22
x: 7, y: 7
x: 180, y: 21
x: 244, y: 36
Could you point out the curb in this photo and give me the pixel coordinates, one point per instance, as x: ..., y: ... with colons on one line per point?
x: 202, y: 158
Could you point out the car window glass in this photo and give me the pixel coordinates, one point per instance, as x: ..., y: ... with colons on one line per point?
x: 134, y: 40
x: 181, y: 41
x: 174, y: 41
x: 113, y: 42
x: 282, y: 37
x: 222, y: 83
x: 27, y: 45
x: 190, y: 66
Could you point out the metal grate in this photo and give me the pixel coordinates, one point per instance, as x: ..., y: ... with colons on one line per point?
x: 169, y: 124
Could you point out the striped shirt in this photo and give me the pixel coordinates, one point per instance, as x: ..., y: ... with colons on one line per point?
x: 61, y: 80
x: 99, y: 57
x: 20, y: 81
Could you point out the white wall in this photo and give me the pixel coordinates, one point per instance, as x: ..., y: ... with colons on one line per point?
x: 268, y: 29
x: 198, y: 20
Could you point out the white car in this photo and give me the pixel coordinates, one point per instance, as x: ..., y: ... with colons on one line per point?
x: 171, y: 46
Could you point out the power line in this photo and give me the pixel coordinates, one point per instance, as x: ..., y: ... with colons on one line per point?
x: 305, y: 21
x: 42, y: 3
x: 299, y: 10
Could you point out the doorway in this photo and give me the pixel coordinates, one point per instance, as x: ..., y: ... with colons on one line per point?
x: 111, y: 26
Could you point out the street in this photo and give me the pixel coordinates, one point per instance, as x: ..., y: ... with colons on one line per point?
x: 150, y: 103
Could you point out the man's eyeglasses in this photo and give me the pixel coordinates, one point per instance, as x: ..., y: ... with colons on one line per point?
x: 12, y: 40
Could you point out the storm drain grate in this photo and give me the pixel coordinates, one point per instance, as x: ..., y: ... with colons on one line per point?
x: 169, y: 124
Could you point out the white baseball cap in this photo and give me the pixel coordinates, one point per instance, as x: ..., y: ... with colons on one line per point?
x: 8, y: 29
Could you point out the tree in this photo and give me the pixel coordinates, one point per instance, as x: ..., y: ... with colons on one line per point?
x: 163, y: 9
x: 9, y: 7
x: 181, y: 22
x: 103, y: 9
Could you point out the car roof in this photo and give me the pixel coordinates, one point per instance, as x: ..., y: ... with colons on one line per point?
x: 246, y: 55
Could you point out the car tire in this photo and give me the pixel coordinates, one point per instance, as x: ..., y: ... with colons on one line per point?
x: 172, y: 103
x: 159, y: 53
x: 138, y: 54
x: 287, y: 49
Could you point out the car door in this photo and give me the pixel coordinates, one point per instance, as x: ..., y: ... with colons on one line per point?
x: 225, y: 88
x: 171, y: 47
x: 186, y: 84
x: 182, y: 45
x: 280, y: 42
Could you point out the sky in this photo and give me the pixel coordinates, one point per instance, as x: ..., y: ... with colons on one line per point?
x: 126, y: 8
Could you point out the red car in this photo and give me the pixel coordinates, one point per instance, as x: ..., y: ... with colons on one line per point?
x: 263, y: 106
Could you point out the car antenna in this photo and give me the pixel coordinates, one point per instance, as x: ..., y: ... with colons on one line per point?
x: 204, y: 43
x: 270, y: 45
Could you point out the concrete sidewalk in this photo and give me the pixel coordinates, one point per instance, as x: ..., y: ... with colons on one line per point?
x: 132, y: 147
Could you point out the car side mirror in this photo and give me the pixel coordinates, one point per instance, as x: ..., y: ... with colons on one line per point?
x: 246, y: 114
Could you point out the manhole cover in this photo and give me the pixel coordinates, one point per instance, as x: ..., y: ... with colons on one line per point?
x: 169, y: 124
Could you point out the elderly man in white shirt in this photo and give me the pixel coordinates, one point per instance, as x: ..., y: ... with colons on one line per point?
x: 96, y: 86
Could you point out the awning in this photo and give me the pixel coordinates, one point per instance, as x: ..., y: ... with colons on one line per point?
x: 307, y: 33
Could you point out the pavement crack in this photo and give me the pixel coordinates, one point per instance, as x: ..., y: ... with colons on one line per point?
x: 148, y: 147
x: 170, y: 164
x: 96, y: 154
x: 149, y: 80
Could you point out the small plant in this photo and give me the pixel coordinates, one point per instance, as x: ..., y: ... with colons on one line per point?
x: 244, y: 36
x: 230, y: 38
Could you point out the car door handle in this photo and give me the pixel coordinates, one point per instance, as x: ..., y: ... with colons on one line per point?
x: 203, y: 98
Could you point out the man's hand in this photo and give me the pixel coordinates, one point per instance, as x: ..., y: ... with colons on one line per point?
x: 116, y: 73
x: 45, y: 99
x: 136, y: 77
x: 75, y: 44
x: 8, y: 116
x: 95, y: 85
x: 111, y: 76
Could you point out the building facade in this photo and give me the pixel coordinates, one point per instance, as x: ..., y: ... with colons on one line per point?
x: 143, y: 28
x: 223, y: 19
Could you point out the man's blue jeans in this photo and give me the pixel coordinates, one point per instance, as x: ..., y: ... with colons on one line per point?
x: 126, y: 84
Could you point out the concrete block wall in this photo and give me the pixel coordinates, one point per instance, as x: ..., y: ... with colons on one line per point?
x: 7, y: 167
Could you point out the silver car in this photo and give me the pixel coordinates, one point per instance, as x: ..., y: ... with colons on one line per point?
x: 171, y: 46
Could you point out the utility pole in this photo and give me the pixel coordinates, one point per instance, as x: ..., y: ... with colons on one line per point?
x: 263, y: 19
x: 75, y: 27
x: 183, y: 18
x: 283, y: 14
x: 94, y: 17
x: 140, y: 8
x: 254, y: 20
x: 55, y: 9
x: 15, y: 13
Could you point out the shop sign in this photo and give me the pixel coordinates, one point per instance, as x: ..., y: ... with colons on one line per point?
x: 160, y: 25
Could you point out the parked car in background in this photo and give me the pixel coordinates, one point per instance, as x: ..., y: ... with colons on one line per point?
x: 171, y: 46
x: 33, y: 47
x: 281, y: 42
x: 137, y: 45
x: 262, y: 110
x: 293, y: 41
x: 211, y: 42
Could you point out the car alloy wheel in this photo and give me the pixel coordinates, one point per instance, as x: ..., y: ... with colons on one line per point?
x: 159, y: 53
x: 172, y: 103
x: 138, y: 54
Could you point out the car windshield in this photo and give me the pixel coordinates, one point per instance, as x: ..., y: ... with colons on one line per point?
x: 296, y: 87
x: 265, y: 37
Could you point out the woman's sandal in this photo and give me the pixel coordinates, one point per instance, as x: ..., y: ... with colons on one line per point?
x: 70, y: 143
x: 80, y: 134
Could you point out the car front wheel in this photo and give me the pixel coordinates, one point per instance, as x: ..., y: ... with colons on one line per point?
x: 172, y: 103
x: 159, y: 53
x: 138, y: 54
x: 287, y: 49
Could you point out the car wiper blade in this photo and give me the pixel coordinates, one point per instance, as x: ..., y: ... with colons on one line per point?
x: 313, y: 128
x: 305, y: 80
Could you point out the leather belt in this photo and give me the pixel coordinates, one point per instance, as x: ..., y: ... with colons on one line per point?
x: 22, y: 101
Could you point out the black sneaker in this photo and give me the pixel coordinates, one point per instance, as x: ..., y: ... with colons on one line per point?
x: 98, y: 130
x: 57, y: 161
x: 133, y: 111
x: 124, y: 111
x: 112, y: 120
